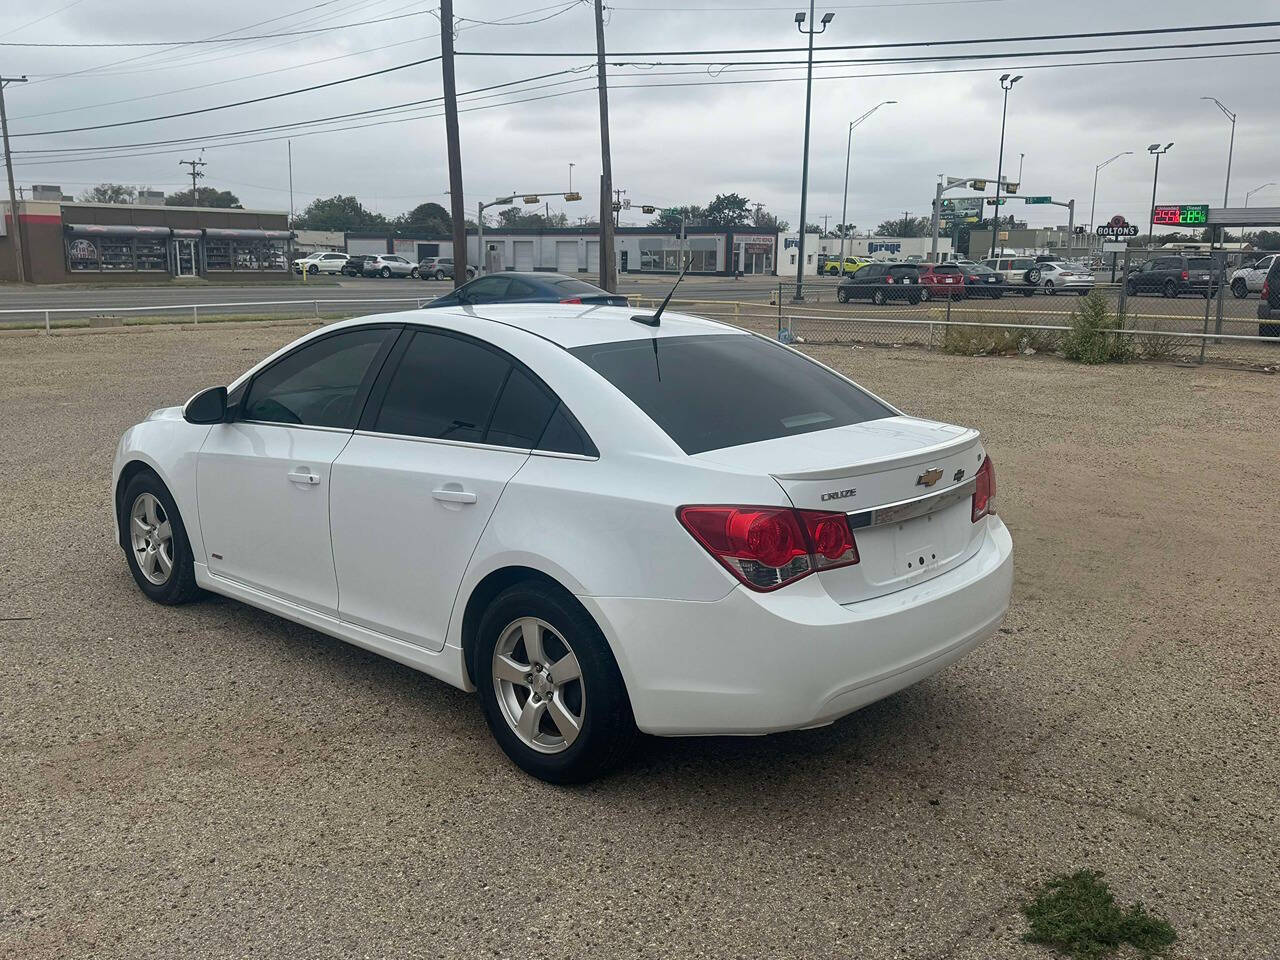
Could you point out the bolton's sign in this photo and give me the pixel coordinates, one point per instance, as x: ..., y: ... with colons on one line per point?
x: 1117, y: 227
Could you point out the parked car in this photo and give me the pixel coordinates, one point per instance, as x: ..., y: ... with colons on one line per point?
x: 980, y: 281
x: 354, y: 267
x: 389, y: 265
x: 320, y: 262
x: 532, y: 287
x: 1249, y: 279
x: 441, y: 268
x: 1173, y: 276
x: 1269, y: 308
x: 941, y: 280
x: 1020, y: 272
x: 1058, y: 275
x: 601, y: 527
x: 851, y: 265
x: 882, y: 282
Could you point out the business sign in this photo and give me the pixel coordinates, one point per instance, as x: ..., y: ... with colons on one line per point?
x: 1182, y: 215
x: 789, y: 242
x: 877, y: 247
x: 83, y: 250
x: 1116, y: 228
x: 1114, y: 246
x: 1038, y: 199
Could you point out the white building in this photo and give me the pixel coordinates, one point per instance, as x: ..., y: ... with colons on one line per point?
x: 875, y: 248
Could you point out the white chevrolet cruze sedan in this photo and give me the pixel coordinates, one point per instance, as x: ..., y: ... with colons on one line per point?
x: 601, y: 525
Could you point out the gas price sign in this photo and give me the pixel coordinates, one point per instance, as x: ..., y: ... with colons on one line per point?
x: 1182, y: 215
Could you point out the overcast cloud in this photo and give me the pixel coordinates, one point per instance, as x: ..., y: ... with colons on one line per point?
x: 672, y: 144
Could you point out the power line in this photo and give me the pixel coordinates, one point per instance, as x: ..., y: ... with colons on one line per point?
x: 32, y: 23
x: 880, y: 46
x: 238, y: 103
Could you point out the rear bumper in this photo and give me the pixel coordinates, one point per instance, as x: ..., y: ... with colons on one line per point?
x: 1265, y: 312
x: 760, y: 663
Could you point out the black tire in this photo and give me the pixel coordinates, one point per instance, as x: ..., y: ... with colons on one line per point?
x: 1032, y: 276
x: 913, y: 299
x: 1170, y: 290
x: 608, y: 727
x: 1269, y: 329
x: 1050, y: 289
x: 842, y: 295
x: 313, y: 269
x: 1084, y: 293
x: 180, y: 587
x: 997, y: 294
x: 924, y: 294
x: 385, y: 273
x: 413, y: 274
x: 1239, y: 288
x: 439, y: 274
x: 878, y: 297
x: 1131, y: 289
x: 1029, y: 292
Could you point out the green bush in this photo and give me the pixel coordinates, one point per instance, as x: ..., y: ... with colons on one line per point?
x: 1086, y: 341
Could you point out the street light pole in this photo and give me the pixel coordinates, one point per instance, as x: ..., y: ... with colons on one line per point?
x: 844, y: 208
x: 1006, y: 84
x: 1093, y: 205
x: 1157, y: 151
x: 1226, y: 192
x: 1255, y: 190
x: 808, y: 107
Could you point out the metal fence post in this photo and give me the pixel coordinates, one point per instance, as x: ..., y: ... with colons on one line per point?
x: 195, y: 313
x: 46, y: 321
x: 315, y: 305
x: 779, y: 308
x: 1222, y: 293
x: 1124, y: 283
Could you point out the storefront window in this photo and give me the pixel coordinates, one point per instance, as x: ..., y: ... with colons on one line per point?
x: 245, y: 255
x: 108, y: 254
x: 669, y: 255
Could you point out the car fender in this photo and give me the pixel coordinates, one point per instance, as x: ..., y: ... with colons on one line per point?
x: 169, y: 446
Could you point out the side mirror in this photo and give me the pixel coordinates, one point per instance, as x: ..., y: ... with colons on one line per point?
x: 207, y: 406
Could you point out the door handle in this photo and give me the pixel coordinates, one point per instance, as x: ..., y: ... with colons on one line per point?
x: 304, y: 476
x: 454, y: 496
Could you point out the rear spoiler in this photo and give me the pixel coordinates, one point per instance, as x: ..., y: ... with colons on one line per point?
x: 920, y: 455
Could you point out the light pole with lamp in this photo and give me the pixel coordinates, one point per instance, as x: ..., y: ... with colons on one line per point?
x: 844, y: 209
x: 571, y: 166
x: 1226, y: 191
x: 808, y: 105
x: 1255, y: 190
x: 1093, y: 206
x: 1156, y: 151
x: 1006, y: 84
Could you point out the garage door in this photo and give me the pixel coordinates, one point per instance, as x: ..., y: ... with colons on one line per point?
x: 593, y: 256
x: 567, y: 256
x: 524, y: 254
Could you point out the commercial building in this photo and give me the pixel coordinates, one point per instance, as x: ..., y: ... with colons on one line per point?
x: 577, y: 249
x: 67, y: 241
x: 874, y: 248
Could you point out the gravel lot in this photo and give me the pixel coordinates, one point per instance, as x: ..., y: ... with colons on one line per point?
x: 211, y: 781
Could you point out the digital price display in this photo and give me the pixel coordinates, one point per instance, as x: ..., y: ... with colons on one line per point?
x: 1183, y: 215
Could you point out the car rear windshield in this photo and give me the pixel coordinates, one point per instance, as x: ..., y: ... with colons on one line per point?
x: 715, y: 391
x: 1200, y: 263
x: 572, y: 286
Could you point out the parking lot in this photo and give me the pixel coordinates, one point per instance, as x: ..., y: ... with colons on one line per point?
x: 211, y: 781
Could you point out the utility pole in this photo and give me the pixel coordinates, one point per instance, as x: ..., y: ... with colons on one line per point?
x: 571, y: 166
x: 8, y: 166
x: 608, y: 263
x: 457, y: 209
x: 1006, y: 85
x: 812, y: 31
x: 196, y: 174
x: 290, y: 184
x: 617, y: 206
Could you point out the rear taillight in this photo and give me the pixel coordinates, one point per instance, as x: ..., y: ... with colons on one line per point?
x: 1185, y: 275
x: 768, y: 547
x: 572, y: 300
x: 984, y: 491
x: 1266, y: 288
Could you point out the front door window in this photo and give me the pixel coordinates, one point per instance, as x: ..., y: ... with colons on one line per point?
x: 184, y: 257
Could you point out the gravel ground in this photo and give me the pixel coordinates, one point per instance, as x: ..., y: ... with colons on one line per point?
x: 212, y: 781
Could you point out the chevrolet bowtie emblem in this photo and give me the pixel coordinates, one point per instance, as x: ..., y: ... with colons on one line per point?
x: 929, y: 477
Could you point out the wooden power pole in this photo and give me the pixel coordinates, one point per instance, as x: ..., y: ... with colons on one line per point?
x: 608, y: 263
x: 8, y: 165
x: 457, y: 208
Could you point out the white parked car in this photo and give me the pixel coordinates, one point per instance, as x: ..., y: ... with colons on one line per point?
x: 601, y: 526
x: 1059, y: 275
x: 320, y: 262
x: 1249, y: 279
x: 1021, y: 272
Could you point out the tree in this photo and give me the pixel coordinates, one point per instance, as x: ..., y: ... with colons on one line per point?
x: 339, y: 213
x: 669, y: 219
x: 1266, y: 239
x: 905, y: 226
x: 208, y: 197
x: 767, y: 222
x: 109, y: 193
x: 429, y: 218
x: 728, y: 210
x: 813, y: 228
x: 513, y: 218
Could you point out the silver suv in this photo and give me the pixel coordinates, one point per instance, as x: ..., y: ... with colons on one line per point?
x: 389, y: 265
x: 1021, y: 272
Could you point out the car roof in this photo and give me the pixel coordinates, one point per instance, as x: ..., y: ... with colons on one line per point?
x: 566, y: 325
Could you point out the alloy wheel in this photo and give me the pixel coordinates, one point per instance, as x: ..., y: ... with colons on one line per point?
x: 538, y: 684
x: 151, y: 537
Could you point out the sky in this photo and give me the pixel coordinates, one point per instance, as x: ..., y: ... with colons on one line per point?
x: 680, y: 132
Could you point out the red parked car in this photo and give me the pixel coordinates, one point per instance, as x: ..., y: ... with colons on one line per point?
x: 941, y: 280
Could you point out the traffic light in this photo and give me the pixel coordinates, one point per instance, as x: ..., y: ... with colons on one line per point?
x: 979, y: 185
x: 532, y: 199
x: 1010, y: 188
x: 573, y: 196
x: 649, y: 208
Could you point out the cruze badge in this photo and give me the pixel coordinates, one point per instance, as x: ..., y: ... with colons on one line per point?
x: 838, y: 495
x: 929, y: 477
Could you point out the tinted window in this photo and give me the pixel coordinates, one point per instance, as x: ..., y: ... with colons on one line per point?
x: 563, y: 436
x: 1200, y: 263
x: 444, y: 388
x: 486, y: 290
x: 521, y: 290
x: 947, y: 268
x: 709, y: 392
x: 904, y: 271
x: 522, y: 413
x: 578, y: 288
x: 317, y: 384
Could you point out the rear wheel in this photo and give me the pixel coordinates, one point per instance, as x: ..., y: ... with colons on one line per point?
x: 1170, y: 289
x: 1049, y: 288
x: 156, y: 544
x: 439, y: 274
x: 924, y: 294
x: 1029, y: 292
x: 1239, y: 288
x: 385, y: 272
x: 879, y: 298
x: 414, y: 273
x: 551, y: 690
x: 842, y: 295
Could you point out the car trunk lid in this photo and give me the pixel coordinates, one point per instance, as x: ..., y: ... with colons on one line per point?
x: 905, y: 484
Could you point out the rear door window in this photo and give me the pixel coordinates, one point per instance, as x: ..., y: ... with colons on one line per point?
x: 714, y: 391
x: 1200, y: 263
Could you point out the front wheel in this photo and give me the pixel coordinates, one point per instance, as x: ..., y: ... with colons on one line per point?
x: 879, y: 298
x: 551, y: 690
x: 842, y: 295
x: 384, y: 273
x: 439, y: 274
x: 1240, y: 289
x: 156, y: 544
x: 1028, y: 292
x: 1170, y: 290
x: 313, y: 270
x: 924, y: 294
x: 414, y: 273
